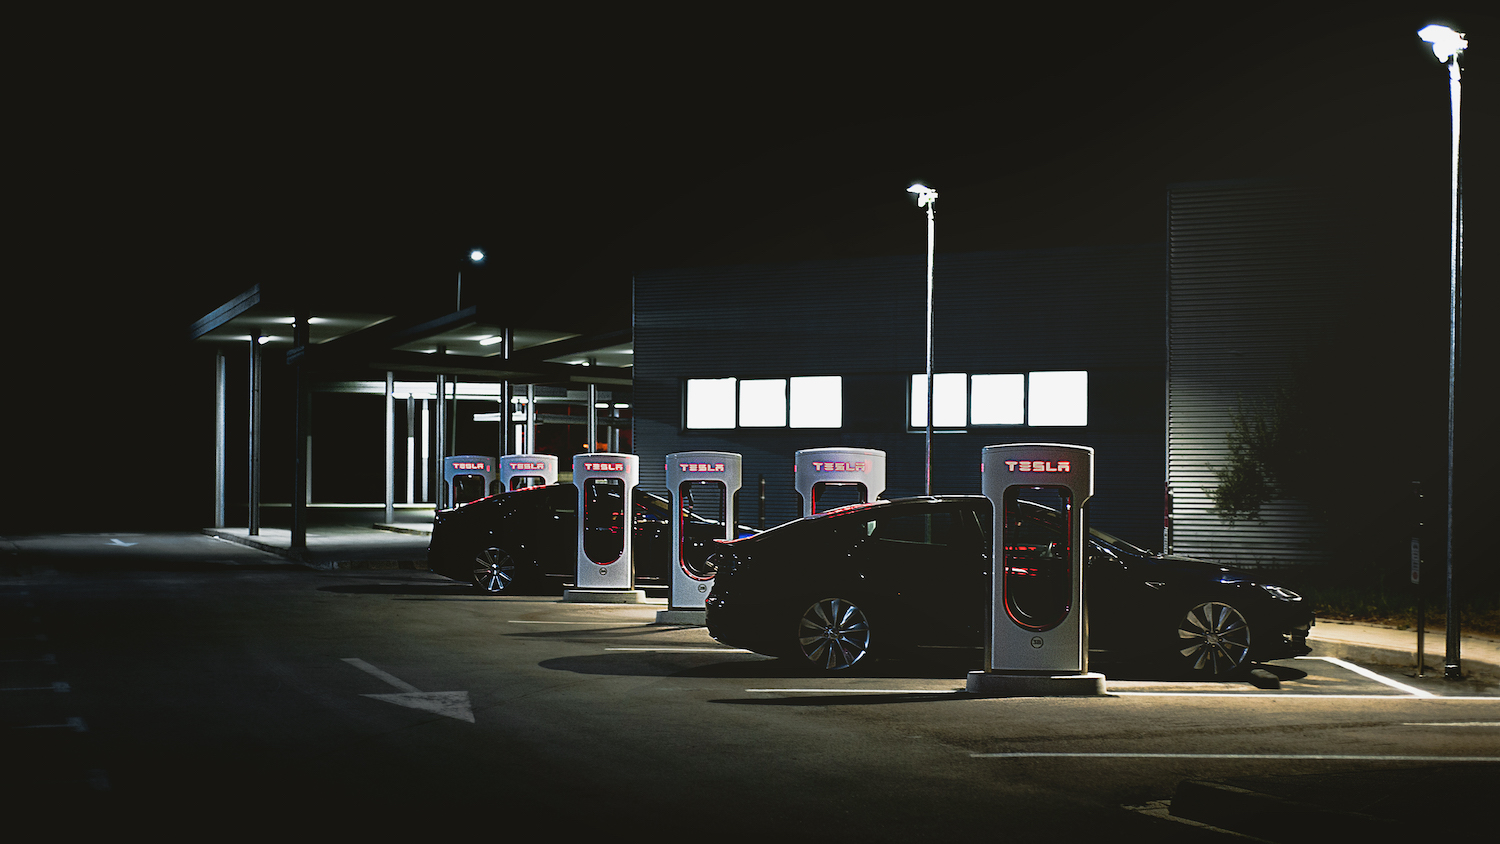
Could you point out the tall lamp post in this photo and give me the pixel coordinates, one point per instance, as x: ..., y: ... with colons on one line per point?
x: 476, y: 257
x: 1446, y: 45
x: 927, y: 198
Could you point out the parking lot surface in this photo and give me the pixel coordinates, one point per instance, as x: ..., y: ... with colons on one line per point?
x: 187, y: 679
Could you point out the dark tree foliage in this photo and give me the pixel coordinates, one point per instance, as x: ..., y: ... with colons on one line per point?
x: 1273, y: 446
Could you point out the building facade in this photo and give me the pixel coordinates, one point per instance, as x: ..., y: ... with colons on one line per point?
x: 1058, y: 345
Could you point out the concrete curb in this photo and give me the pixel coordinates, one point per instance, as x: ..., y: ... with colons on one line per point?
x: 1478, y: 662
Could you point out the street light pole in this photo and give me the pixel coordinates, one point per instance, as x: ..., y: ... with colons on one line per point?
x: 1446, y: 45
x: 927, y: 197
x: 476, y: 257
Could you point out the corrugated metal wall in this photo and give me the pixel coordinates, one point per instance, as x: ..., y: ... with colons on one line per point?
x: 1097, y: 309
x: 1253, y: 285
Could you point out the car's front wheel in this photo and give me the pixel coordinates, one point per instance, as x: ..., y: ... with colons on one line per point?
x: 494, y: 571
x: 834, y: 634
x: 1213, y: 640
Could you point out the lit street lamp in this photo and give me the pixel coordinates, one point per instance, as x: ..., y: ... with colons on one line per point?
x: 476, y: 257
x: 927, y: 198
x: 1446, y: 45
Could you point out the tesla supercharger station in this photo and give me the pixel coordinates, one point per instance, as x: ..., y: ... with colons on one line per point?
x: 1038, y: 636
x: 606, y: 508
x: 467, y: 477
x: 702, y: 486
x: 833, y: 477
x: 520, y: 471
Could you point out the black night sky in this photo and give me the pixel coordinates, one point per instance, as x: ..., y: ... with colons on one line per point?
x: 161, y: 173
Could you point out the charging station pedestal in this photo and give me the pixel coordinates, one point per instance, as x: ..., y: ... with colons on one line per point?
x: 827, y: 478
x: 606, y: 525
x: 520, y: 471
x: 701, y: 486
x: 467, y: 477
x: 1038, y: 637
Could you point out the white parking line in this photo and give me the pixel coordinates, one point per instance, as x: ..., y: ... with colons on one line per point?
x: 860, y: 691
x: 74, y: 724
x: 1113, y: 693
x: 45, y: 659
x: 384, y: 675
x: 682, y: 650
x: 1292, y: 757
x: 1365, y: 672
x: 1303, y: 695
x: 56, y: 686
x: 599, y: 623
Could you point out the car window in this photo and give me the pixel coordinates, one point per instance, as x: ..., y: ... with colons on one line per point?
x: 1033, y: 525
x: 650, y: 507
x: 933, y: 528
x: 564, y: 499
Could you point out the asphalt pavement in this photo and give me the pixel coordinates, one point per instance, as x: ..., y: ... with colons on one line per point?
x: 347, y: 537
x: 1380, y: 803
x: 1300, y: 808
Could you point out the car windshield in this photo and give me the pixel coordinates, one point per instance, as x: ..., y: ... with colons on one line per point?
x: 1117, y: 542
x: 1049, y: 516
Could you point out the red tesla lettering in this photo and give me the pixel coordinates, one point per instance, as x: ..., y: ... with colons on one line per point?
x: 839, y: 466
x: 1039, y: 466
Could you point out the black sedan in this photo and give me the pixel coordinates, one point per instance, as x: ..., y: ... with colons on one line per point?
x: 843, y: 588
x: 527, y: 540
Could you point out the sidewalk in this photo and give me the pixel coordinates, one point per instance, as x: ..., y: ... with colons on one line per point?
x: 1367, y: 643
x: 343, y: 536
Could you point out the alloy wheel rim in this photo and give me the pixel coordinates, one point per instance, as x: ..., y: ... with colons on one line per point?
x: 834, y: 634
x: 1214, y: 638
x: 493, y: 571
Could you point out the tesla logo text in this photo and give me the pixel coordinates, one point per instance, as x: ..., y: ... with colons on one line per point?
x: 523, y: 466
x: 1039, y: 466
x: 701, y: 467
x: 483, y: 467
x: 840, y: 466
x: 604, y: 467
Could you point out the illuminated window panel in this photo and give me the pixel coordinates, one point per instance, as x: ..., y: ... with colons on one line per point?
x: 763, y: 403
x: 1058, y: 399
x: 710, y: 403
x: 949, y: 400
x: 817, y: 401
x: 998, y: 400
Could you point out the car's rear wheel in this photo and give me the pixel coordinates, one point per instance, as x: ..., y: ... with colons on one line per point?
x: 834, y: 634
x: 494, y: 571
x: 1213, y: 640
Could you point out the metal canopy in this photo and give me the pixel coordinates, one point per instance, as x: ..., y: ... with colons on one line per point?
x: 466, y: 343
x: 334, y: 348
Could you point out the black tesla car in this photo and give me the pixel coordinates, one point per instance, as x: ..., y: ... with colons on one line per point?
x: 527, y: 540
x: 843, y: 588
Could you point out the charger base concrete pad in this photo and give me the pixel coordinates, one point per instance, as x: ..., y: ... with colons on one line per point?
x: 604, y: 596
x: 985, y: 684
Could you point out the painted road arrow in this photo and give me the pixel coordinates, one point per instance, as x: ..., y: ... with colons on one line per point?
x: 448, y: 704
x: 120, y: 544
